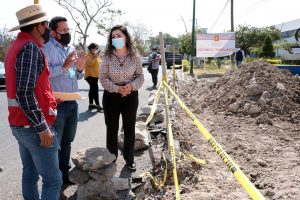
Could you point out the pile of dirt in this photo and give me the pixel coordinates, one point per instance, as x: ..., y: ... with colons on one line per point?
x: 254, y: 114
x: 258, y: 89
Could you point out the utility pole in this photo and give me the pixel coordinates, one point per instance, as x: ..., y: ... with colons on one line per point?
x: 232, y: 23
x: 193, y: 39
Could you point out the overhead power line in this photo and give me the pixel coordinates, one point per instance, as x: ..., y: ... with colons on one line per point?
x: 219, y: 16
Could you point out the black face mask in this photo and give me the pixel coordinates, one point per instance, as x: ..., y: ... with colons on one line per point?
x: 46, y: 35
x: 65, y: 39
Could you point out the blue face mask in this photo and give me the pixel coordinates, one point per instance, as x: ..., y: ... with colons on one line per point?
x: 118, y: 43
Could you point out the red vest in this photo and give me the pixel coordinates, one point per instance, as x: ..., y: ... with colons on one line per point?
x: 42, y: 91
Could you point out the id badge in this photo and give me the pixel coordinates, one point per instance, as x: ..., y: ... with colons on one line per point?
x: 72, y: 73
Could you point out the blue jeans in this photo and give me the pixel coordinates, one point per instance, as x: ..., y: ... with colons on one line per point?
x: 65, y: 126
x: 238, y: 63
x: 38, y: 160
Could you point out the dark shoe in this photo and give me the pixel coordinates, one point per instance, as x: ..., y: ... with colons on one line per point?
x: 131, y: 166
x: 99, y: 108
x: 63, y: 196
x: 92, y: 106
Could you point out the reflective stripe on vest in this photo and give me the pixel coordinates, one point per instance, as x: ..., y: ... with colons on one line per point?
x: 14, y: 103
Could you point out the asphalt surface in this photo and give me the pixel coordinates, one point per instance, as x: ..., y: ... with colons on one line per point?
x: 90, y: 133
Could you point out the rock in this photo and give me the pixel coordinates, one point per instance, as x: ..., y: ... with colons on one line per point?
x: 147, y: 109
x: 105, y: 173
x: 94, y: 190
x: 261, y: 163
x: 151, y: 99
x: 253, y: 90
x: 266, y: 95
x: 79, y: 176
x: 93, y: 159
x: 142, y: 137
x: 254, y: 109
x: 158, y: 118
x: 263, y: 119
x: 197, y: 110
x: 280, y: 86
x: 120, y: 183
x: 234, y: 107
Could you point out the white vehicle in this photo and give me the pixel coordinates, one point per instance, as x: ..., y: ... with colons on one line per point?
x: 2, y: 75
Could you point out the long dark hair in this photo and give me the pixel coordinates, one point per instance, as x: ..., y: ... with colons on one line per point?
x: 109, y: 50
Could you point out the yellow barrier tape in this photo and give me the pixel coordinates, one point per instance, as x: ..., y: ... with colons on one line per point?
x: 174, y: 77
x: 166, y: 170
x: 156, y: 99
x: 239, y: 175
x: 193, y: 158
x: 154, y: 106
x: 156, y: 182
x: 171, y: 144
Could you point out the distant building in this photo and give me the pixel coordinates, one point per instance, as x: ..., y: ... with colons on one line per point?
x: 288, y: 30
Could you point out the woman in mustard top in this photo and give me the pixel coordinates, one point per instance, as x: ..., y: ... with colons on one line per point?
x: 91, y: 75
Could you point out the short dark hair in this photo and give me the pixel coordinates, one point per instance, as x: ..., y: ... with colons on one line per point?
x: 29, y: 28
x: 55, y: 20
x: 93, y: 46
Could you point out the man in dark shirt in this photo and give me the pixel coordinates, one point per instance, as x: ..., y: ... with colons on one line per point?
x: 31, y: 106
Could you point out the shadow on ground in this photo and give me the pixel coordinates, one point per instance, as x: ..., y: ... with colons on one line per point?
x: 84, y: 116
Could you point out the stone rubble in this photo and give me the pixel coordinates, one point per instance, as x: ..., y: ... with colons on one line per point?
x: 93, y: 173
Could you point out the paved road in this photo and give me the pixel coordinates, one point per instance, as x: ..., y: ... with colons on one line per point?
x: 90, y: 133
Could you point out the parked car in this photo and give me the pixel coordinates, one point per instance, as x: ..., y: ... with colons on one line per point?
x: 169, y: 59
x: 2, y: 74
x: 145, y: 61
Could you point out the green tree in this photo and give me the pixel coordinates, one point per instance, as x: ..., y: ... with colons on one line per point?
x: 268, y: 49
x: 168, y: 40
x: 252, y: 38
x: 8, y: 37
x: 185, y: 43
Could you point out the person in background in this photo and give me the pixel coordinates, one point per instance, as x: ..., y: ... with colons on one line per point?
x: 239, y: 57
x: 31, y: 105
x: 121, y: 75
x: 66, y: 68
x: 91, y: 75
x: 155, y: 59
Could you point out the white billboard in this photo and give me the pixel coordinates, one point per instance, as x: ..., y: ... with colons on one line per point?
x: 215, y: 44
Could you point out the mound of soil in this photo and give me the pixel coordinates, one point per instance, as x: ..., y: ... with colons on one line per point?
x: 253, y: 113
x: 258, y: 89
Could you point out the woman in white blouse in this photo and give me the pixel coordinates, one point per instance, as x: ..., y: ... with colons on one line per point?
x: 121, y: 76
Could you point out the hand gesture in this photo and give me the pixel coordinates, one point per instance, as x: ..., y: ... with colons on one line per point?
x: 69, y: 61
x: 47, y: 139
x: 80, y: 62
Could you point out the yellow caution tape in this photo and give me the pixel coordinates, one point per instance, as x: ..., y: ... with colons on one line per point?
x: 166, y: 170
x: 154, y: 106
x: 155, y: 102
x: 239, y: 175
x: 193, y: 158
x: 171, y: 144
x: 156, y: 182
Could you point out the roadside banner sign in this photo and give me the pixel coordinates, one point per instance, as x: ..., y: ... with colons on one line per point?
x: 215, y: 44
